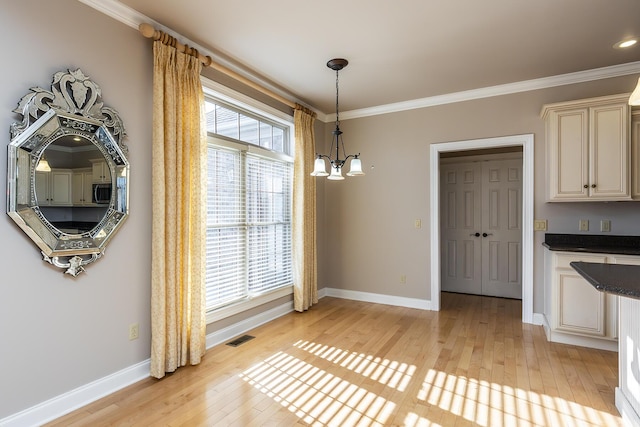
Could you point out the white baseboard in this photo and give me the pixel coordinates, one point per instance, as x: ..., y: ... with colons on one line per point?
x: 77, y: 398
x: 630, y: 417
x: 538, y: 319
x: 378, y: 298
x: 582, y: 341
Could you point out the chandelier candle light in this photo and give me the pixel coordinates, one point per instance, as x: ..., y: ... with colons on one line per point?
x: 337, y: 163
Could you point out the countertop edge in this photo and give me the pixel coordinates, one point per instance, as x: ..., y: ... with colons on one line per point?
x: 597, y: 274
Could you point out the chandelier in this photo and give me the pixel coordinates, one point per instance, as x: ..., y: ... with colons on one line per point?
x: 337, y: 163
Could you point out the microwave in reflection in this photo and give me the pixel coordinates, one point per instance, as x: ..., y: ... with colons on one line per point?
x: 102, y: 194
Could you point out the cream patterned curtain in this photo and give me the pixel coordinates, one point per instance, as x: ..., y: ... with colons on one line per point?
x: 178, y: 204
x: 305, y: 276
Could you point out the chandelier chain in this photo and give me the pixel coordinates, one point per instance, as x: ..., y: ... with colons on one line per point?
x: 337, y: 94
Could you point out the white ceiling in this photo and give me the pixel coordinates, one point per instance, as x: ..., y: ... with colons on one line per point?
x: 403, y: 50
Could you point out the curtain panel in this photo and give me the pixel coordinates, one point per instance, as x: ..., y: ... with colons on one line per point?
x: 179, y: 211
x: 305, y: 276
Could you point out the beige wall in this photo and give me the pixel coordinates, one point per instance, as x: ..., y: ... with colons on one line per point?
x: 58, y: 333
x: 370, y: 220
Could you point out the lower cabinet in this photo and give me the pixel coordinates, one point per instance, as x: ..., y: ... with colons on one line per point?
x: 577, y: 313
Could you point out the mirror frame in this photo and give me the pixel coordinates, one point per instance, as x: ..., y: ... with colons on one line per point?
x: 72, y: 107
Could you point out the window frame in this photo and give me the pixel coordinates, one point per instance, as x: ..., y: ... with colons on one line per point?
x: 253, y: 108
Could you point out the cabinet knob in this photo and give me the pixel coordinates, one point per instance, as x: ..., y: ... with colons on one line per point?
x: 593, y: 186
x: 487, y: 234
x: 475, y: 234
x: 586, y: 186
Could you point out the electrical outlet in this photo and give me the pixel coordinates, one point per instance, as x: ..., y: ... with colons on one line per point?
x: 403, y: 279
x: 133, y: 331
x: 583, y: 225
x: 540, y: 225
x: 605, y: 225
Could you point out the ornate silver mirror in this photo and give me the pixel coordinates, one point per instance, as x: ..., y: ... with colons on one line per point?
x: 68, y: 175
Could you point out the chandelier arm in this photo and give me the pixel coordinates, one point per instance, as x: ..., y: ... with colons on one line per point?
x: 344, y: 153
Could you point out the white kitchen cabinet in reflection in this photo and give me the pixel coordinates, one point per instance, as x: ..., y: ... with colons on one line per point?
x: 54, y: 188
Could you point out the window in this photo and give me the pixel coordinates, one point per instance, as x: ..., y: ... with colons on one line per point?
x: 249, y: 187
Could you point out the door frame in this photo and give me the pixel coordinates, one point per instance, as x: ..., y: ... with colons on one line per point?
x: 526, y: 142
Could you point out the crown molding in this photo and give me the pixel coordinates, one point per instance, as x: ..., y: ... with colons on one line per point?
x: 133, y: 18
x: 488, y: 92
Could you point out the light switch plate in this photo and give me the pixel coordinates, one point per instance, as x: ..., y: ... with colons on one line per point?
x: 539, y: 225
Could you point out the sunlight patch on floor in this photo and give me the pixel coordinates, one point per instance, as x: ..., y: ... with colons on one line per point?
x: 316, y: 396
x: 491, y: 404
x: 304, y: 386
x: 387, y: 372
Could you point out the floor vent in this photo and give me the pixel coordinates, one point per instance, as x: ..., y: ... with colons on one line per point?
x: 243, y: 339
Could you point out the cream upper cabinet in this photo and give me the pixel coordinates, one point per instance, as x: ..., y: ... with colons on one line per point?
x: 54, y: 188
x: 588, y: 149
x: 82, y: 187
x: 635, y: 154
x: 100, y: 171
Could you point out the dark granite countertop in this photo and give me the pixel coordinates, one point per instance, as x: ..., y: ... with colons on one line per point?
x: 596, y: 243
x: 617, y: 279
x: 80, y: 225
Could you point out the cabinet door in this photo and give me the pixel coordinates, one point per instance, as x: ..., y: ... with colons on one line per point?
x: 101, y: 172
x: 635, y: 155
x: 578, y: 307
x: 77, y: 190
x: 60, y: 188
x: 42, y: 188
x: 87, y: 188
x: 568, y: 154
x: 609, y: 151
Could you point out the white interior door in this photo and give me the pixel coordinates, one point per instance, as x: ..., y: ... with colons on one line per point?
x: 502, y: 228
x: 461, y: 227
x: 481, y: 227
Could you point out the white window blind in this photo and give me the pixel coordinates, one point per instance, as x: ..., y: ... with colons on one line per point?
x: 226, y: 242
x: 268, y: 192
x: 248, y: 225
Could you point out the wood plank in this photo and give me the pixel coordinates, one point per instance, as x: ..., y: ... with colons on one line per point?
x: 353, y: 363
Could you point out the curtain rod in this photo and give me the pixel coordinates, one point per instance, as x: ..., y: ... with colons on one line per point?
x: 149, y: 32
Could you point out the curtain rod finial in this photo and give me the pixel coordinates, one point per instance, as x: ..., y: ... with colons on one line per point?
x: 147, y: 30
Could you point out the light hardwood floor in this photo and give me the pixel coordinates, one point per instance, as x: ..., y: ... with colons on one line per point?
x: 348, y: 363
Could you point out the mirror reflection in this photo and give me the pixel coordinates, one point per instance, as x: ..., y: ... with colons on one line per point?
x: 73, y: 184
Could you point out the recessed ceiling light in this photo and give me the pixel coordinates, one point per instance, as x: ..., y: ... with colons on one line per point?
x: 625, y: 43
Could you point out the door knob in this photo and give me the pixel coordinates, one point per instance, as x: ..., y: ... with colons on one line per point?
x: 485, y: 234
x: 475, y: 234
